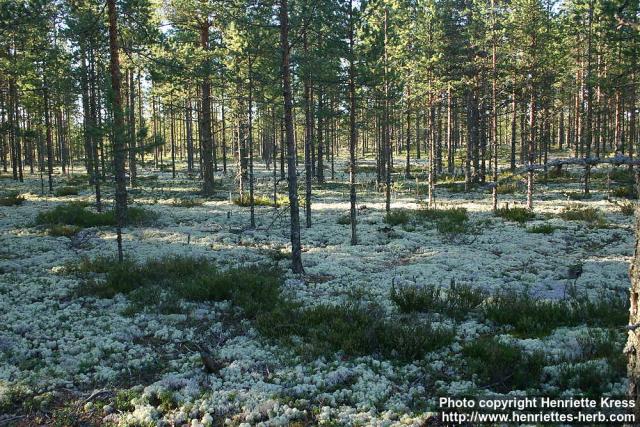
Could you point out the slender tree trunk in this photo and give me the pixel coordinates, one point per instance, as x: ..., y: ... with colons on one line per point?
x: 320, y: 139
x: 172, y: 135
x: 407, y: 169
x: 589, y: 121
x: 60, y: 136
x: 132, y: 130
x: 296, y: 247
x: 189, y: 135
x: 90, y: 145
x: 352, y: 129
x: 141, y: 117
x: 632, y: 121
x: 84, y: 83
x: 450, y: 159
x: 308, y: 133
x: 561, y: 129
x: 155, y: 130
x: 386, y: 134
x: 283, y: 143
x: 431, y: 146
x: 274, y: 152
x: 514, y: 119
x: 95, y: 139
x: 14, y: 139
x: 118, y: 127
x: 205, y: 115
x: 334, y: 141
x: 531, y: 148
x: 494, y: 108
x: 47, y: 124
x: 224, y: 135
x: 250, y: 142
x: 472, y: 133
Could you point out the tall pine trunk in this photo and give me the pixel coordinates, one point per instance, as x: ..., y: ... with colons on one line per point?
x: 132, y: 130
x: 118, y: 126
x: 308, y: 134
x: 296, y: 247
x: 250, y: 142
x: 352, y: 129
x: 206, y: 141
x: 386, y: 134
x: 47, y: 124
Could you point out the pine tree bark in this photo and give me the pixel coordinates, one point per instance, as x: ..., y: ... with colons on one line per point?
x: 308, y: 133
x: 132, y: 130
x: 250, y: 142
x: 450, y: 159
x: 47, y: 124
x: 386, y: 132
x: 352, y: 129
x: 118, y: 127
x: 189, y: 135
x: 206, y: 141
x: 531, y: 149
x: 632, y: 348
x: 14, y: 140
x: 296, y: 247
x: 494, y: 108
x: 95, y: 140
x: 320, y: 139
x: 224, y: 134
x: 84, y: 84
x: 589, y: 119
x: 407, y: 168
x: 172, y: 136
x: 90, y: 145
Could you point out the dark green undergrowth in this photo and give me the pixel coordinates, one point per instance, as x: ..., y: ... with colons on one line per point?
x: 531, y: 316
x: 606, y: 344
x: 600, y: 362
x: 516, y: 214
x: 12, y: 198
x: 65, y: 191
x: 457, y: 301
x: 592, y: 377
x: 627, y: 192
x: 188, y: 203
x: 578, y: 195
x: 397, y: 217
x: 62, y: 230
x: 354, y: 329
x: 542, y: 229
x: 451, y: 214
x: 453, y: 187
x: 627, y: 208
x: 559, y: 175
x: 525, y: 315
x: 77, y: 214
x: 502, y: 367
x: 447, y: 221
x: 452, y: 221
x: 257, y: 201
x: 508, y: 187
x: 344, y: 219
x: 576, y: 212
x: 508, y: 183
x: 620, y: 175
x: 77, y: 180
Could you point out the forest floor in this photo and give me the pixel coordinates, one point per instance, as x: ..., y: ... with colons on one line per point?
x: 453, y: 301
